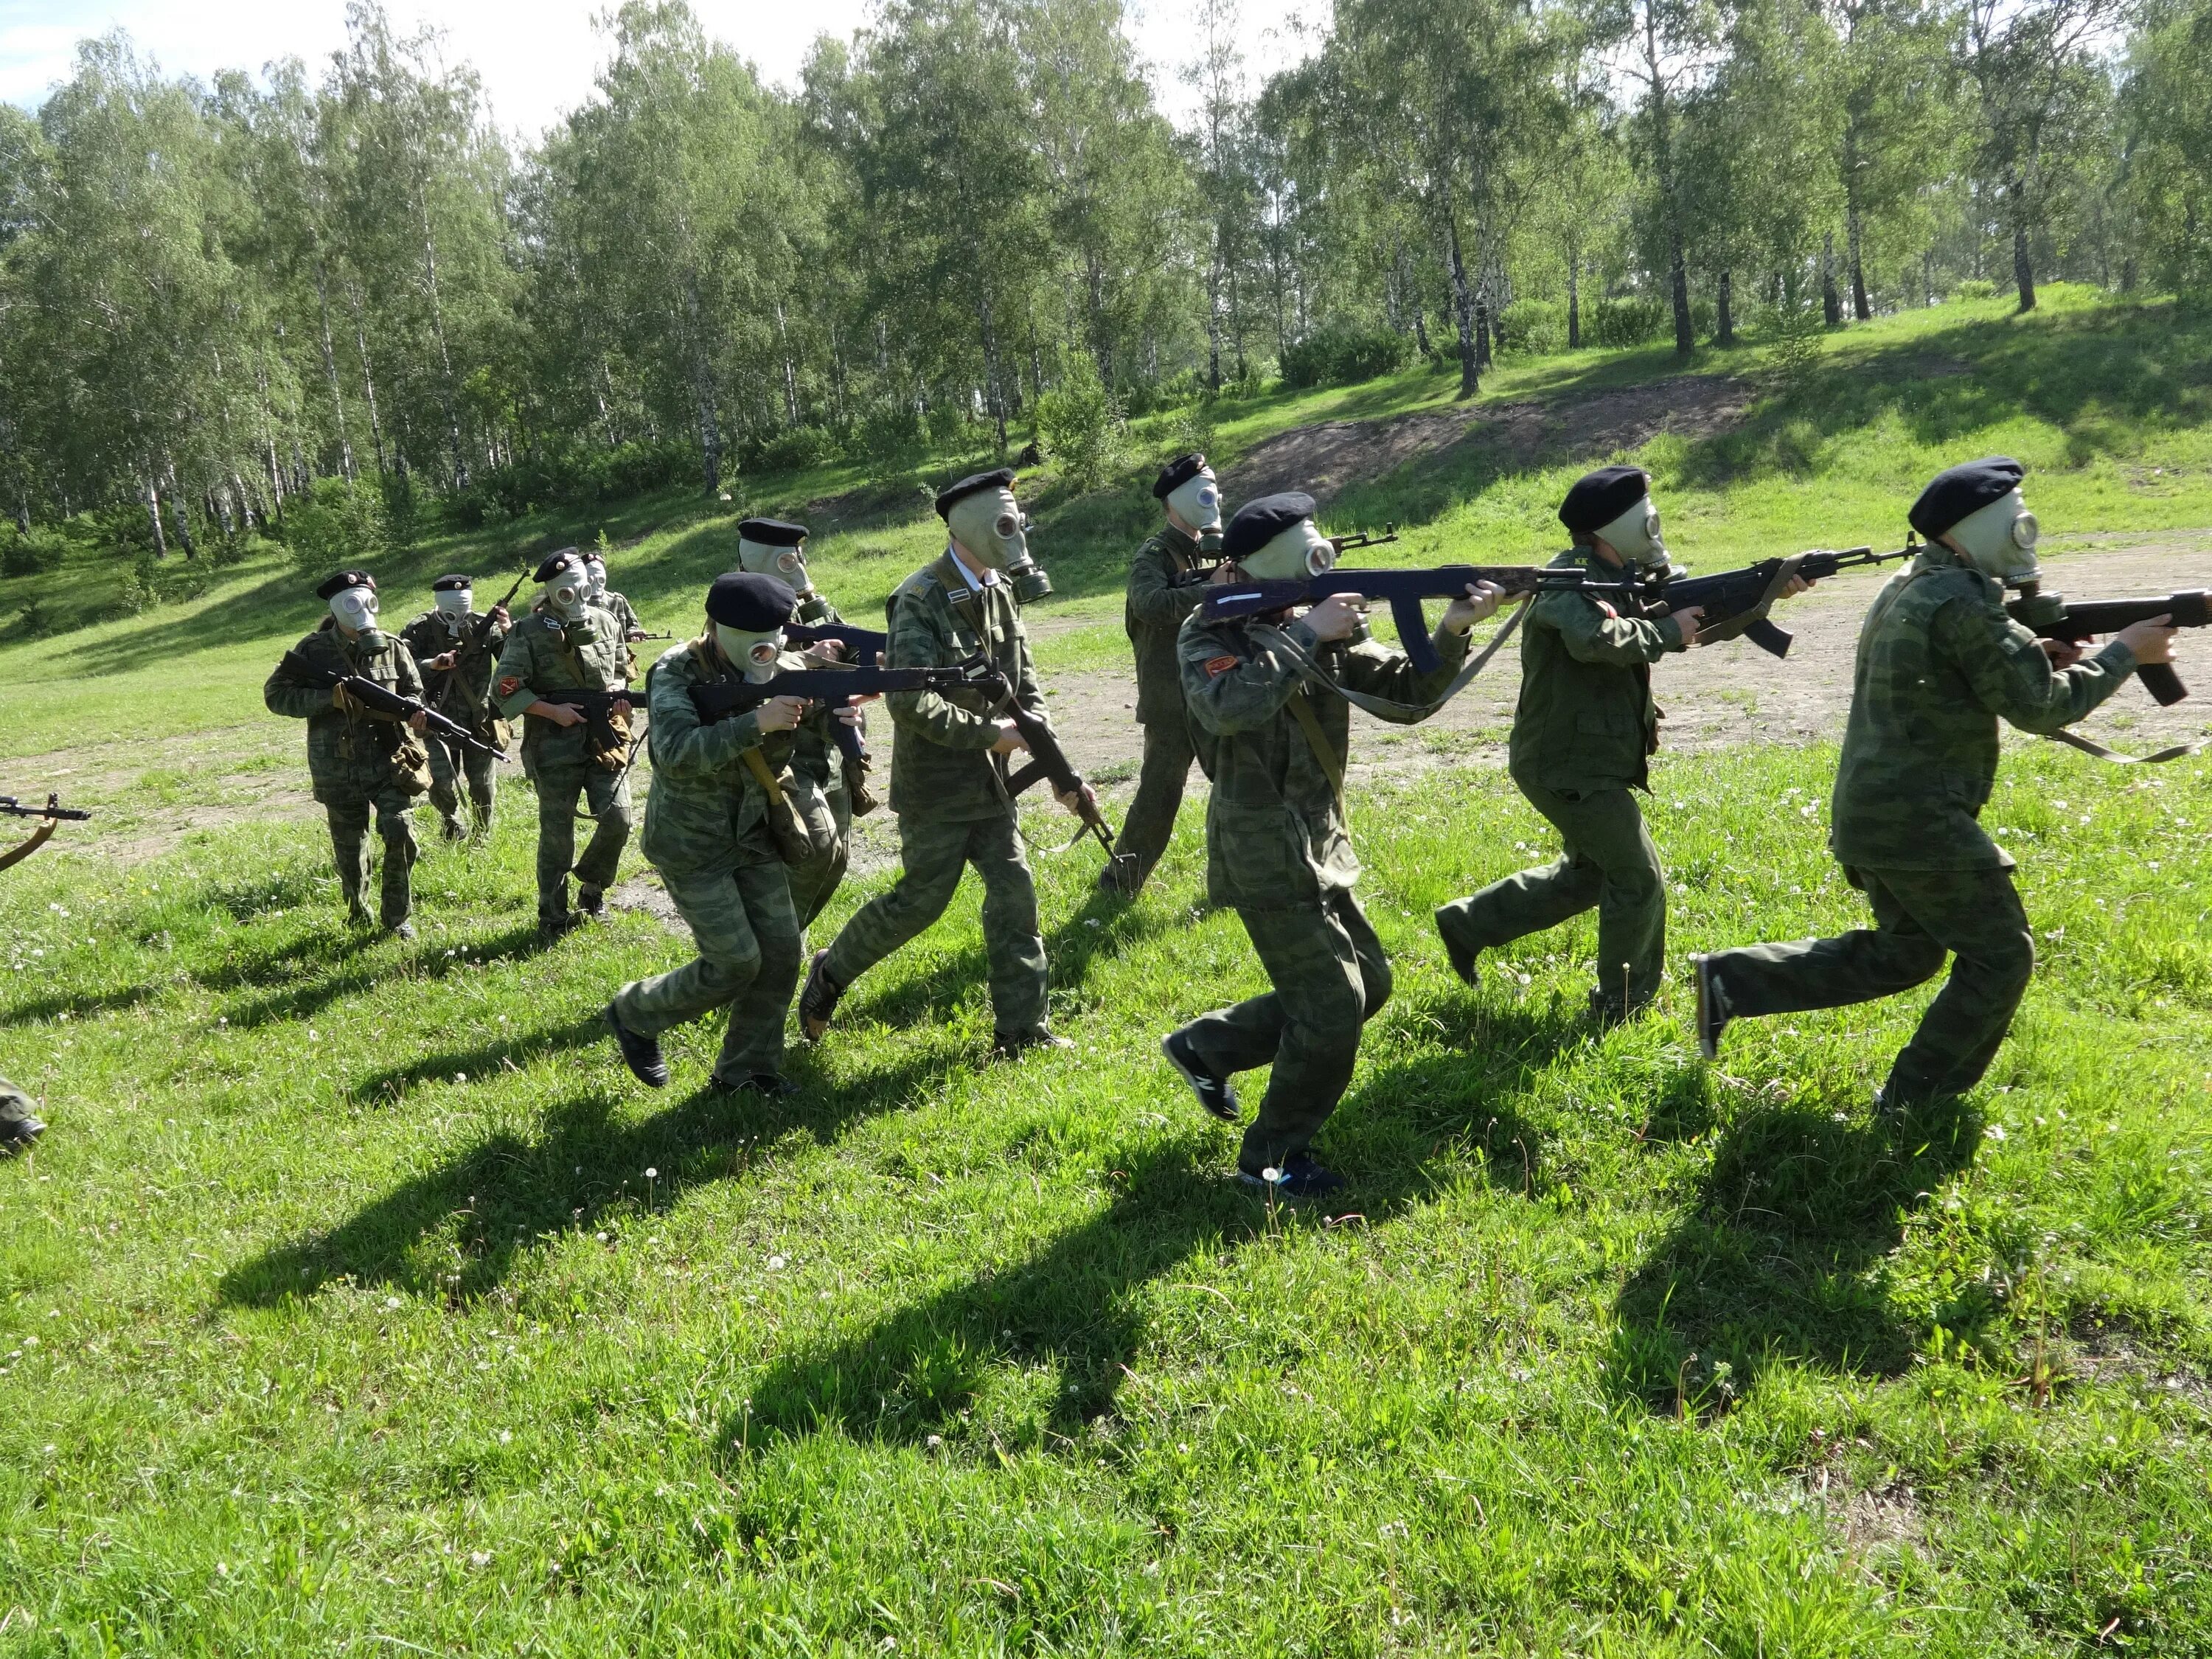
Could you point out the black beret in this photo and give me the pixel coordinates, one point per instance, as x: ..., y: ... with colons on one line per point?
x: 554, y: 561
x: 772, y: 532
x: 974, y: 485
x: 1961, y: 491
x: 334, y: 586
x: 1258, y: 522
x: 750, y: 602
x: 1178, y: 473
x: 1600, y: 497
x: 452, y: 583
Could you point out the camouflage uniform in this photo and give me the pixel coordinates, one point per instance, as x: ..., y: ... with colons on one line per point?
x: 949, y: 791
x: 19, y: 1123
x: 1276, y: 849
x: 351, y: 763
x: 1153, y: 615
x: 542, y: 654
x: 1939, y: 663
x: 705, y: 830
x: 467, y: 702
x: 1584, y: 734
x: 815, y: 756
x: 623, y: 612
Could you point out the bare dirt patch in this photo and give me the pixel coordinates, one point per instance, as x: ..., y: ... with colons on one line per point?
x: 1325, y: 458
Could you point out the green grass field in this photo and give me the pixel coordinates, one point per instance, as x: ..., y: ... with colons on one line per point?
x: 358, y: 1301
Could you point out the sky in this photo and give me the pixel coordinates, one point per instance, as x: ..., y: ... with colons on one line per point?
x: 537, y: 57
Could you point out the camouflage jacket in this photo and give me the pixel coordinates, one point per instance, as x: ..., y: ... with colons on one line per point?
x: 1274, y: 828
x: 1939, y: 664
x: 942, y: 768
x: 707, y: 811
x: 1586, y: 719
x: 347, y: 755
x: 1154, y: 615
x: 814, y: 756
x: 542, y: 654
x: 427, y: 638
x: 624, y: 613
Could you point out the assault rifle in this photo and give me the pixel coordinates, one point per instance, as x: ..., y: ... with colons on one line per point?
x: 834, y: 688
x: 2053, y: 617
x: 1047, y: 762
x: 1735, y: 601
x: 864, y: 646
x: 474, y: 640
x: 1404, y: 591
x: 1199, y: 575
x: 597, y: 708
x: 385, y: 703
x: 10, y: 807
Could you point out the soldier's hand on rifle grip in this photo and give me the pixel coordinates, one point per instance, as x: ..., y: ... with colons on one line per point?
x: 560, y: 713
x: 1795, y: 586
x: 2064, y: 653
x: 1222, y: 575
x: 1082, y: 802
x: 443, y: 661
x: 852, y: 713
x: 1482, y: 601
x: 2151, y: 640
x: 499, y: 616
x: 419, y: 720
x: 1687, y: 620
x: 1011, y: 741
x: 1336, y: 617
x: 827, y: 653
x: 780, y: 713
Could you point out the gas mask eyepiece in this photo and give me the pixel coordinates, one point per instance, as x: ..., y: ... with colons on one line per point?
x: 752, y: 653
x: 1635, y: 535
x: 1999, y: 540
x: 454, y: 603
x: 356, y: 608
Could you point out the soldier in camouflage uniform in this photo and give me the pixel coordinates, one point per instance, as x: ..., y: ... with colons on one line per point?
x: 438, y: 640
x: 358, y: 764
x: 1153, y: 615
x: 1274, y: 746
x: 1584, y: 734
x: 568, y: 642
x: 948, y: 782
x: 706, y: 828
x: 1939, y: 664
x: 624, y: 613
x: 19, y: 1122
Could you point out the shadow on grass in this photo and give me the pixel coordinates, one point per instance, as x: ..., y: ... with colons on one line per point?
x: 509, y: 1194
x: 1781, y: 1254
x: 346, y: 972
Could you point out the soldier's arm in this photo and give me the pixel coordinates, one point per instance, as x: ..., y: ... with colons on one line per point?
x: 2012, y: 676
x: 514, y: 670
x: 1151, y: 599
x: 683, y: 745
x: 1228, y: 692
x: 916, y: 641
x: 1592, y: 634
x: 1375, y: 669
x: 283, y: 695
x: 1027, y: 692
x: 411, y: 673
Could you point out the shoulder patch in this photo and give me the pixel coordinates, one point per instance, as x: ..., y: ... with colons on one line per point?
x: 1217, y: 666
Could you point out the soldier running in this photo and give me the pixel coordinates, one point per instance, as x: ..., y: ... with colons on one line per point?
x: 443, y: 641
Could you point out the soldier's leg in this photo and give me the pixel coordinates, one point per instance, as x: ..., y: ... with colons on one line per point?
x: 606, y: 795
x: 754, y: 1044
x: 483, y: 771
x: 1894, y: 955
x: 814, y: 883
x: 729, y: 958
x: 349, y: 821
x: 558, y: 787
x: 1976, y: 915
x: 1012, y: 942
x: 395, y: 824
x: 1151, y: 817
x: 1531, y: 901
x: 931, y: 856
x: 1320, y: 1001
x: 445, y: 763
x: 1608, y: 830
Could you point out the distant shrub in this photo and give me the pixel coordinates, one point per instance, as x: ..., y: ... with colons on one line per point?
x: 891, y: 442
x: 1974, y: 288
x: 1536, y: 328
x: 1631, y: 321
x: 795, y: 449
x: 1341, y: 352
x: 152, y: 583
x: 1081, y: 425
x: 583, y: 475
x: 337, y: 524
x: 30, y: 556
x: 403, y: 507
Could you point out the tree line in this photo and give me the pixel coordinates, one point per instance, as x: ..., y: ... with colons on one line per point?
x: 220, y: 303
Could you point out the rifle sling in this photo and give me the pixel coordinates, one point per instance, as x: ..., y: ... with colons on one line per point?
x: 31, y: 844
x: 1403, y: 714
x: 2091, y: 747
x: 1734, y: 626
x: 757, y: 763
x: 1324, y: 752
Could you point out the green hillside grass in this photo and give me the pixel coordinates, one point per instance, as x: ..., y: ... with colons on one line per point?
x: 360, y: 1302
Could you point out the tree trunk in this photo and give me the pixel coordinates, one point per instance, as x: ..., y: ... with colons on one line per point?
x: 702, y: 383
x: 2128, y: 274
x: 1574, y: 299
x: 1421, y: 330
x: 178, y: 512
x: 1663, y: 156
x: 2023, y: 268
x: 994, y: 402
x: 331, y: 371
x: 368, y: 379
x: 1214, y: 323
x: 1928, y: 276
x: 1832, y: 302
x: 444, y: 358
x: 1723, y: 309
x: 154, y: 515
x: 790, y: 370
x: 1482, y: 357
x: 1860, y: 308
x: 1470, y: 374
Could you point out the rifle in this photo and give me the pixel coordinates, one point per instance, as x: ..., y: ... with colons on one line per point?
x: 597, y: 708
x: 1742, y: 596
x: 1047, y: 760
x: 2053, y: 618
x: 10, y: 807
x: 833, y: 687
x: 387, y: 704
x: 864, y: 646
x: 473, y: 642
x: 1403, y: 590
x: 1199, y: 575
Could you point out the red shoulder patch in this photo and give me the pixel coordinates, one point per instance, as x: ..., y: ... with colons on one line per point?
x: 1217, y: 666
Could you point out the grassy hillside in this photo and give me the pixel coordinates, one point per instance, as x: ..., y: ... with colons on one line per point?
x: 360, y: 1302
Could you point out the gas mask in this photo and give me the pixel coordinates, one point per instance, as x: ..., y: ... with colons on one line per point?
x: 355, y: 607
x: 1292, y: 556
x: 595, y: 574
x: 1999, y: 540
x: 1197, y: 501
x: 990, y: 525
x: 1635, y: 535
x: 788, y: 565
x: 453, y: 605
x: 754, y: 655
x: 568, y: 595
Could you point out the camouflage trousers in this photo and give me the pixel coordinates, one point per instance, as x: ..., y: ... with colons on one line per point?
x: 450, y: 761
x: 932, y: 853
x: 815, y: 882
x: 1918, y: 917
x: 748, y: 962
x: 15, y: 1105
x: 1609, y: 862
x: 1330, y: 978
x: 606, y: 799
x: 1151, y: 820
x: 349, y: 814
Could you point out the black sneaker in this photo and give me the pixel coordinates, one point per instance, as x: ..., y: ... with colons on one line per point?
x: 18, y: 1132
x: 551, y: 928
x: 1299, y: 1177
x: 592, y: 903
x: 817, y: 999
x: 1012, y: 1045
x: 452, y: 830
x: 1462, y: 958
x: 640, y: 1054
x: 766, y: 1084
x: 1713, y: 1011
x: 1216, y: 1093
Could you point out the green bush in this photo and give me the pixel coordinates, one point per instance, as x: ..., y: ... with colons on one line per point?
x: 338, y: 524
x: 29, y: 556
x: 1535, y: 328
x: 1974, y: 288
x: 892, y: 442
x: 1342, y: 353
x: 1631, y: 321
x: 795, y: 449
x: 1080, y: 427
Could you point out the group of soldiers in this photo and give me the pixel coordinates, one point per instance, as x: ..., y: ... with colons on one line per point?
x: 750, y: 816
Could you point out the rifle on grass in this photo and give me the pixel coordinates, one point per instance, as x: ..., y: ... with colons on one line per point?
x: 1404, y: 591
x: 383, y: 703
x: 475, y: 640
x: 2055, y: 617
x: 1735, y: 602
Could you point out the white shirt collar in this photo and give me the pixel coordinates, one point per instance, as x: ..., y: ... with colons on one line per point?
x: 975, y: 585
